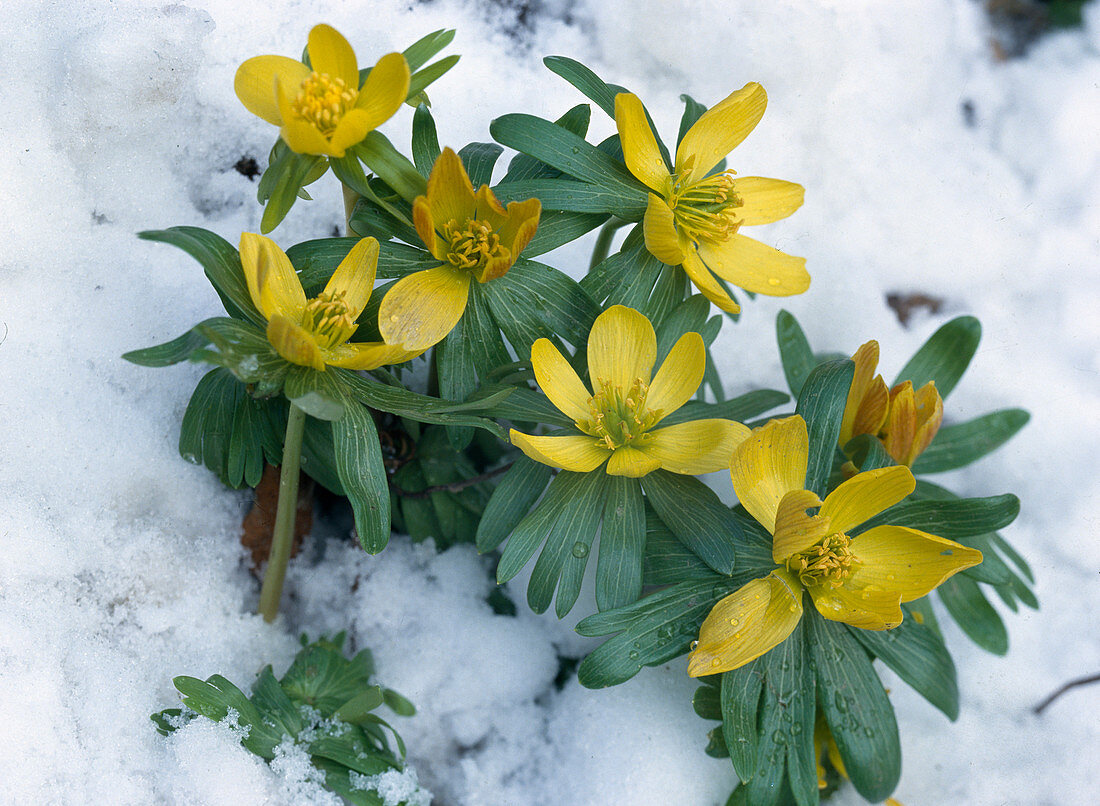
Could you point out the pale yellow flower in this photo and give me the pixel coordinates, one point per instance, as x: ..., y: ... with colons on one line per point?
x: 323, y: 111
x: 859, y: 580
x: 694, y: 216
x: 619, y: 419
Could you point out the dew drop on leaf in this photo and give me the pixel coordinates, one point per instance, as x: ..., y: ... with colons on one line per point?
x: 580, y: 550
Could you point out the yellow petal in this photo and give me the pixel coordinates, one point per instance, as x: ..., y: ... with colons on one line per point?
x: 679, y: 376
x: 695, y: 447
x: 749, y: 622
x: 703, y: 280
x: 255, y: 84
x: 900, y: 428
x: 929, y: 419
x: 354, y: 277
x: 755, y: 267
x: 768, y: 465
x: 795, y: 531
x: 720, y: 129
x: 350, y: 131
x: 330, y: 53
x: 559, y: 381
x: 576, y: 453
x: 908, y: 561
x: 520, y: 225
x: 632, y: 462
x: 424, y: 307
x: 621, y: 348
x: 866, y: 609
x: 865, y: 495
x: 425, y: 227
x: 766, y: 200
x: 640, y: 151
x: 488, y: 207
x: 293, y: 343
x: 450, y: 194
x: 367, y: 355
x: 659, y: 228
x: 385, y: 89
x: 272, y: 283
x: 866, y: 360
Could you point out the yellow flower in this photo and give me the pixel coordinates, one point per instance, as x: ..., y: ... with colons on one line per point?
x: 315, y: 332
x: 323, y: 111
x: 860, y: 580
x: 474, y: 238
x: 693, y: 216
x: 905, y: 420
x: 618, y: 421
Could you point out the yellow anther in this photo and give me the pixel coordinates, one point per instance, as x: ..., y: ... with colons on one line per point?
x: 323, y: 100
x: 328, y: 319
x: 828, y: 563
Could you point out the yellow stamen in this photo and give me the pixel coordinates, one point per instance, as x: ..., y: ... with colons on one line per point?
x: 328, y: 319
x: 472, y: 245
x: 706, y: 209
x: 323, y: 100
x: 828, y: 563
x: 620, y: 419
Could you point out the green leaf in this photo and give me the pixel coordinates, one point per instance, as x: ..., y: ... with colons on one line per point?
x: 522, y: 166
x: 868, y: 452
x: 422, y: 79
x: 576, y: 196
x: 533, y: 528
x: 953, y: 519
x: 402, y: 402
x: 291, y: 176
x: 535, y: 300
x: 252, y: 441
x: 667, y: 560
x: 392, y: 167
x: 687, y: 317
x: 425, y: 141
x: 590, y: 84
x: 741, y: 689
x: 317, y: 260
x: 573, y: 155
x: 821, y: 402
x: 958, y: 445
x: 787, y: 717
x: 355, y: 709
x: 479, y: 159
x: 622, y: 544
x: 565, y: 553
x: 172, y: 352
x: 856, y: 707
x: 208, y: 421
x: 362, y: 474
x: 693, y: 513
x: 456, y: 375
x: 917, y: 655
x: 423, y: 49
x: 967, y: 604
x: 794, y: 351
x: 313, y: 392
x: 221, y: 263
x: 274, y: 704
x: 945, y: 356
x: 655, y: 629
x: 323, y: 678
x: 513, y: 497
x: 558, y: 227
x: 524, y: 406
x: 397, y: 703
x: 742, y: 408
x: 636, y: 279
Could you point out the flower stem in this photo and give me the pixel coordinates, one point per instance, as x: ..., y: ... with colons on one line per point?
x: 350, y: 198
x: 285, y: 515
x: 603, y: 241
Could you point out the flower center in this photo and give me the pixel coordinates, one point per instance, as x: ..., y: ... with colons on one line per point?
x: 472, y: 245
x: 828, y: 563
x: 328, y: 318
x: 323, y: 100
x: 620, y: 418
x: 705, y: 210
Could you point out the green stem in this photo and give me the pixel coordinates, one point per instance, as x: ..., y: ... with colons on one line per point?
x: 603, y: 241
x: 285, y: 516
x: 350, y: 198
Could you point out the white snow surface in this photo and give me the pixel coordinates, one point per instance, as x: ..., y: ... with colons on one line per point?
x: 120, y: 565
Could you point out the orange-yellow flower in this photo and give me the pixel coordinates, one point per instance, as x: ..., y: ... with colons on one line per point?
x: 694, y: 216
x: 618, y: 420
x: 859, y: 580
x: 323, y: 111
x: 315, y: 332
x: 472, y: 236
x: 905, y: 420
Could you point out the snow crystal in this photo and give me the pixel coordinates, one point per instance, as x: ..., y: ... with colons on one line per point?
x: 394, y: 787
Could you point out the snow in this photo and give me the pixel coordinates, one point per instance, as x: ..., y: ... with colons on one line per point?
x: 121, y: 567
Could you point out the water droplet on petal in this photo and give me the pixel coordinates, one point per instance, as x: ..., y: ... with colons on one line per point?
x: 734, y: 622
x: 773, y: 281
x: 694, y: 644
